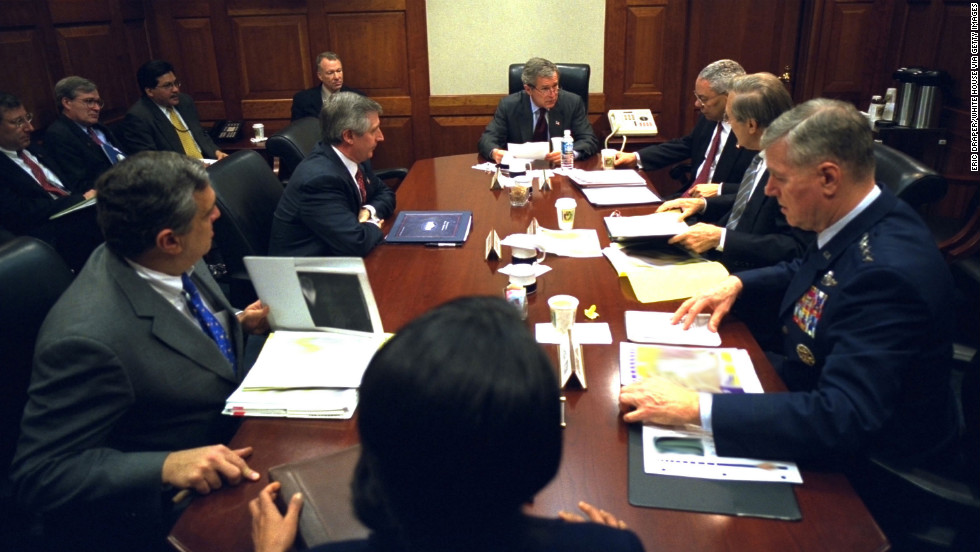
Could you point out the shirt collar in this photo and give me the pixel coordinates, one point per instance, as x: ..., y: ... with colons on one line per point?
x: 824, y: 237
x: 351, y: 166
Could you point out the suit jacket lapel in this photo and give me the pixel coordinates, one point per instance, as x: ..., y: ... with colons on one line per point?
x: 525, y: 119
x: 163, y: 124
x: 729, y: 154
x: 754, y: 206
x: 169, y: 325
x: 351, y: 189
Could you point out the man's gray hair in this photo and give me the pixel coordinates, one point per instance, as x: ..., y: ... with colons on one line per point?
x: 821, y: 130
x: 324, y: 55
x: 346, y: 111
x: 536, y: 68
x: 759, y: 96
x: 719, y: 74
x: 71, y: 87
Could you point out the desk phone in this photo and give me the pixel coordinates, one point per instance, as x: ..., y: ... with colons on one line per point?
x: 632, y: 122
x: 227, y: 131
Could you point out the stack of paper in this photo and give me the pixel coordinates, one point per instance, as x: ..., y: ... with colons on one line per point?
x: 652, y: 227
x: 306, y: 375
x: 588, y: 179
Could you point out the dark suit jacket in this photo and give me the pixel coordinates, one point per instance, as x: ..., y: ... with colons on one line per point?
x: 866, y: 338
x: 731, y: 165
x: 147, y: 128
x: 542, y: 535
x: 317, y: 213
x: 121, y: 379
x: 25, y: 208
x: 307, y: 103
x: 81, y: 159
x: 762, y: 236
x: 513, y: 123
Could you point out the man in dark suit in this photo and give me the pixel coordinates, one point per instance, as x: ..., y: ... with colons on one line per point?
x: 711, y: 135
x: 540, y: 112
x: 82, y: 146
x: 330, y: 72
x: 334, y: 205
x: 132, y: 368
x: 164, y: 119
x: 32, y: 188
x: 866, y: 346
x: 749, y: 231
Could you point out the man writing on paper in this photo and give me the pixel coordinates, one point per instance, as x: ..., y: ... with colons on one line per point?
x: 165, y: 119
x: 33, y: 187
x: 334, y: 204
x: 540, y: 112
x: 711, y: 146
x: 866, y: 335
x: 330, y: 72
x: 750, y: 230
x: 132, y: 368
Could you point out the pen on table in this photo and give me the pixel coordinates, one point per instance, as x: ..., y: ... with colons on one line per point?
x: 562, y: 403
x: 181, y: 495
x: 443, y: 244
x: 761, y: 466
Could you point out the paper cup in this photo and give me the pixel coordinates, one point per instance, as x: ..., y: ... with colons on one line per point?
x: 565, y: 208
x: 562, y: 309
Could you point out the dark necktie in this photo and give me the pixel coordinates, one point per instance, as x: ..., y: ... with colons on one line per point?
x: 744, y: 192
x: 111, y: 152
x: 541, y: 127
x: 359, y: 177
x: 39, y: 175
x: 207, y: 320
x: 704, y: 175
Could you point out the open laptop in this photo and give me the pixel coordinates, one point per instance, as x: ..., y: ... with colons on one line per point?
x: 316, y: 293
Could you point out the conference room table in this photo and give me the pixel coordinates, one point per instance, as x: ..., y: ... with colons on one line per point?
x: 408, y: 280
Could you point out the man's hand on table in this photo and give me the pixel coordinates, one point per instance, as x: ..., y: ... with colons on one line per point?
x: 659, y: 401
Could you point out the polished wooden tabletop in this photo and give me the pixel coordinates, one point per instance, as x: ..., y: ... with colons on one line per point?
x: 407, y: 280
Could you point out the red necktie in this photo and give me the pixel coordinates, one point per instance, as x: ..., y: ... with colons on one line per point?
x: 359, y: 177
x: 39, y: 175
x: 709, y: 159
x: 541, y: 128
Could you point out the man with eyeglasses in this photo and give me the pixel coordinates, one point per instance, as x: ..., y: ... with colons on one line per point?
x: 330, y: 72
x: 711, y: 147
x: 538, y: 113
x: 82, y: 146
x: 33, y: 188
x: 165, y: 119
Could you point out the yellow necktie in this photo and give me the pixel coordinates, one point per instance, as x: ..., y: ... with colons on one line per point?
x: 186, y: 140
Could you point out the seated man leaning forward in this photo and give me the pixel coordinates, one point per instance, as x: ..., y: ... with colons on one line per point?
x: 866, y: 336
x: 132, y: 368
x: 540, y: 112
x: 334, y: 205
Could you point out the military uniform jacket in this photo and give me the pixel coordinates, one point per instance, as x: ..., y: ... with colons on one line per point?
x: 866, y: 343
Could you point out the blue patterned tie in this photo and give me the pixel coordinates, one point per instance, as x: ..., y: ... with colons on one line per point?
x: 208, y: 322
x: 744, y: 191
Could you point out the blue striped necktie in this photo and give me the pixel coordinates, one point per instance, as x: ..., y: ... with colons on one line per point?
x: 744, y: 191
x: 208, y: 322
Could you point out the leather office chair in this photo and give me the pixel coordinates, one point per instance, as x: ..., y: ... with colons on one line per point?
x: 909, y: 179
x: 32, y: 277
x: 247, y: 193
x: 573, y: 77
x: 297, y: 140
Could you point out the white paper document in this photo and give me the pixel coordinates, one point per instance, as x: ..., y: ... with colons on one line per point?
x: 570, y: 243
x: 618, y: 177
x: 333, y: 404
x: 583, y: 333
x: 655, y: 327
x: 644, y: 226
x: 620, y: 195
x: 528, y: 150
x: 293, y: 360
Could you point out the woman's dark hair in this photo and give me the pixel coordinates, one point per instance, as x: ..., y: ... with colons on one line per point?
x: 460, y: 425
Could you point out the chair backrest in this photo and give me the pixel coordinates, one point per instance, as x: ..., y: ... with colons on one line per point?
x: 293, y: 143
x: 909, y: 179
x: 32, y: 277
x: 573, y: 77
x: 247, y: 195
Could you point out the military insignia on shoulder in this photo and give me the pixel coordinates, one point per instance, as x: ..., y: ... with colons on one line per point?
x: 865, y: 245
x: 828, y: 279
x: 806, y: 356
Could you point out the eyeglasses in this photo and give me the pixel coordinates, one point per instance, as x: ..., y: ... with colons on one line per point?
x: 169, y: 85
x: 548, y: 90
x: 331, y: 73
x: 21, y: 122
x: 91, y: 102
x: 705, y: 99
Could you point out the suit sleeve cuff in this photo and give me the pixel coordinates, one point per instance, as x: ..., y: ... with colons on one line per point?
x: 705, y: 400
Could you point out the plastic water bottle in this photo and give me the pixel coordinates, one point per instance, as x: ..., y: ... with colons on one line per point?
x: 567, y: 151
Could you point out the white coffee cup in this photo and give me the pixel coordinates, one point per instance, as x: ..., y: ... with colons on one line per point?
x: 565, y: 207
x: 524, y: 275
x: 608, y: 159
x: 518, y: 168
x: 259, y: 130
x: 527, y: 255
x: 562, y: 309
